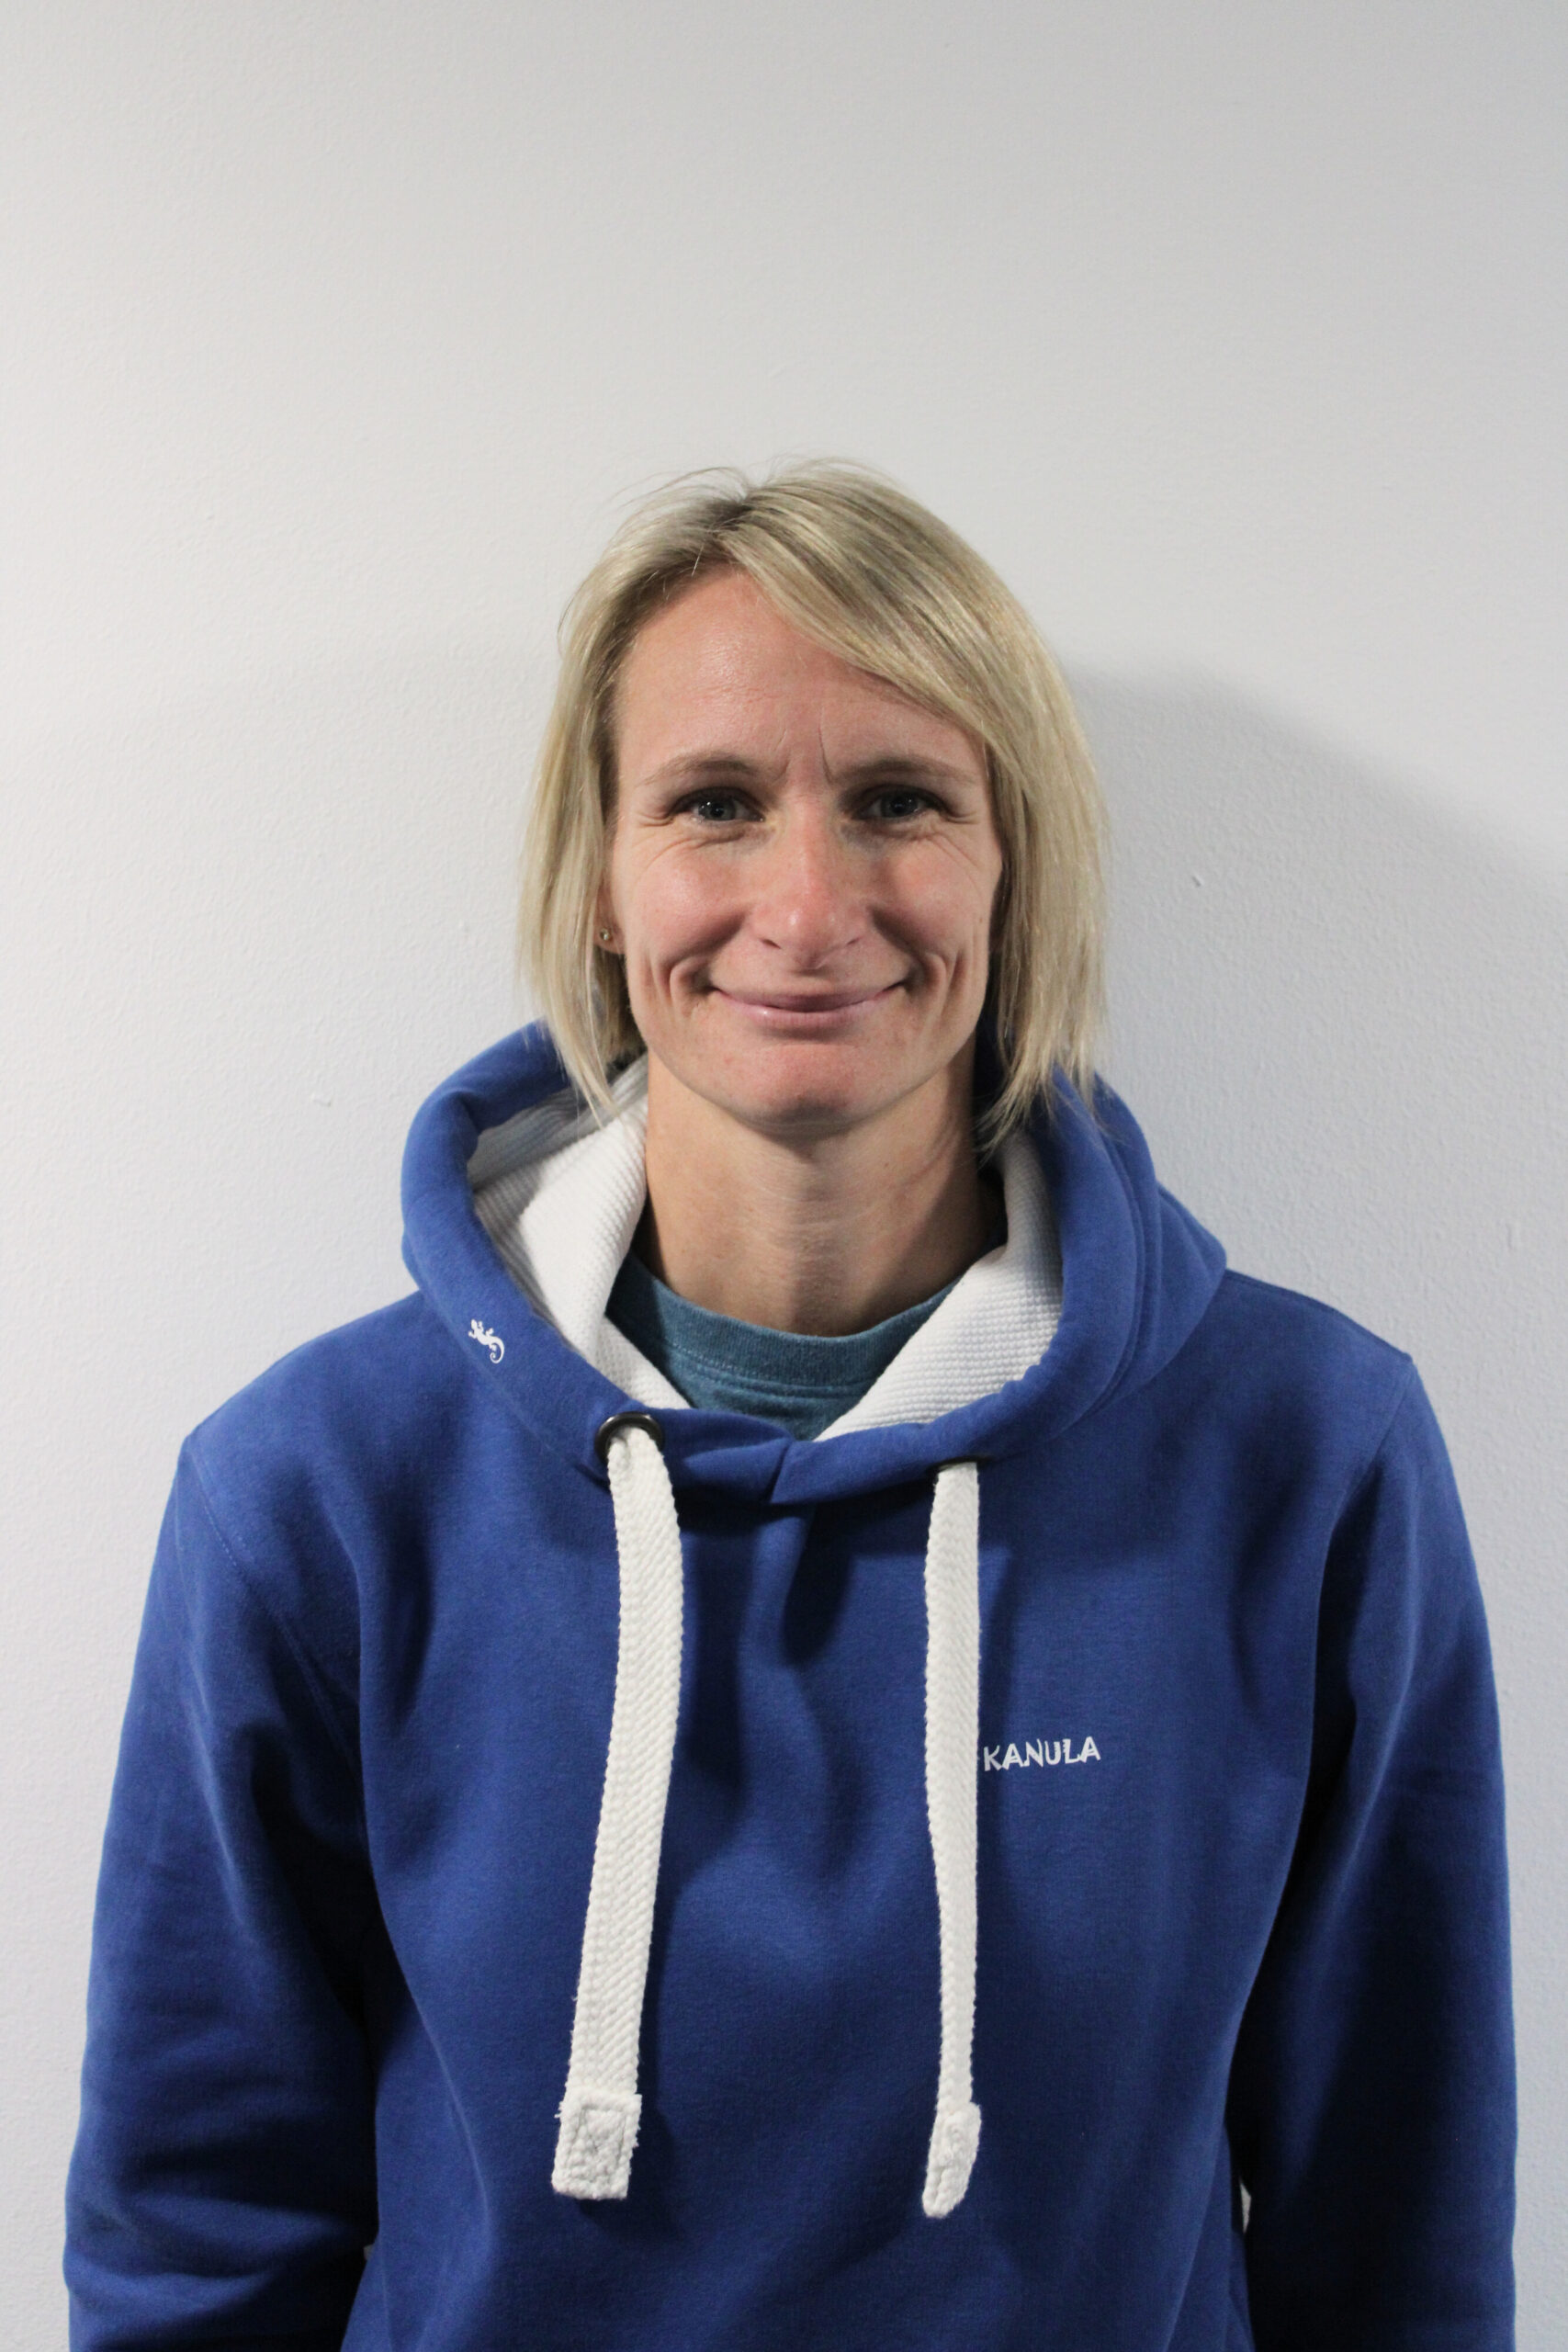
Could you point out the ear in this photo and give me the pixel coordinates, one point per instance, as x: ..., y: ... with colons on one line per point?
x: 606, y: 932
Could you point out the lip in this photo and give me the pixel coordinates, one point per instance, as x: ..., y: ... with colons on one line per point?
x: 818, y: 1009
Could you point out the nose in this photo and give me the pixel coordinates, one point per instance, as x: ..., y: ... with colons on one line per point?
x: 809, y: 902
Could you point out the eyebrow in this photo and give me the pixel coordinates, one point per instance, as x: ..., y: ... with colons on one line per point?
x: 730, y: 767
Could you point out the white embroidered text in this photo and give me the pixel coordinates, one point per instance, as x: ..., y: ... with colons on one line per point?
x: 1038, y: 1751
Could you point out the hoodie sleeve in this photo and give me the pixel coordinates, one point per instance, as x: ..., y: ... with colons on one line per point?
x: 1372, y: 2094
x: 222, y: 2190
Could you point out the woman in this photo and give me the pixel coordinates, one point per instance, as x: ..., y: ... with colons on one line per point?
x: 828, y: 1615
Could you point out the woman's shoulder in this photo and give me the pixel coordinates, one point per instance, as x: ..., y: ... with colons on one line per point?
x: 350, y: 1395
x: 1306, y: 1369
x: 1315, y: 1335
x: 306, y: 1471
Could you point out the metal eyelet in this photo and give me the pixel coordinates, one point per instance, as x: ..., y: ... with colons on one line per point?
x: 617, y: 1421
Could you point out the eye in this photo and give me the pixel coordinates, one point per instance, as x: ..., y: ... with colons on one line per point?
x: 714, y: 806
x: 897, y: 803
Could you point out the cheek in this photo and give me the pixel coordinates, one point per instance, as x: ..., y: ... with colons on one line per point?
x: 955, y: 912
x: 668, y: 907
x: 973, y: 936
x: 989, y: 901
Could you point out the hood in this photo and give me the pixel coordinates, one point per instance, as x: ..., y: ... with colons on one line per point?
x: 1136, y: 1273
x: 519, y: 1211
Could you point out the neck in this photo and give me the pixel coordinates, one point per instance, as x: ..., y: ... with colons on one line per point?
x: 826, y: 1236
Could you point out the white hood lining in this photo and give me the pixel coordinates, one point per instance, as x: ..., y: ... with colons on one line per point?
x: 560, y: 1196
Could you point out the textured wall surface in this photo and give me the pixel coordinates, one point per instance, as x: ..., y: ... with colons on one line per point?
x: 1235, y: 336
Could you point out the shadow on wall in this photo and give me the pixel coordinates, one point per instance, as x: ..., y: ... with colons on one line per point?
x: 1342, y: 1020
x: 1343, y: 1023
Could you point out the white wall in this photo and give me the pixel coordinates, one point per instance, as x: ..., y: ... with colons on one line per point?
x: 1234, y: 334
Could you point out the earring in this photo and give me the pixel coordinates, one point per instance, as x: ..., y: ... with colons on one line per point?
x: 607, y: 936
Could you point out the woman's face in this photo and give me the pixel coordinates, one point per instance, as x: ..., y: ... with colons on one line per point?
x: 801, y: 873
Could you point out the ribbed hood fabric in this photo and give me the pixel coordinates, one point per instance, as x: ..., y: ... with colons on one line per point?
x: 560, y: 1196
x: 604, y: 1857
x: 1012, y: 1357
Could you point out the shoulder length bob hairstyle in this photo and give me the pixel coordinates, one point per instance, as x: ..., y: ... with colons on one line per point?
x: 856, y: 564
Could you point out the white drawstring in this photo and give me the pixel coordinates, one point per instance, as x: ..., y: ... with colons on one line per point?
x: 953, y: 1723
x: 600, y: 2111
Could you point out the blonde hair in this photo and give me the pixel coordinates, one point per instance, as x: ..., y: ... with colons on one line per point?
x: 860, y: 567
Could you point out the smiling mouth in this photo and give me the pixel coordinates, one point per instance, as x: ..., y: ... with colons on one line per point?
x: 808, y: 1011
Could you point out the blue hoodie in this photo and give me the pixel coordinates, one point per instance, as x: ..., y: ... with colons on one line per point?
x: 1237, y: 1935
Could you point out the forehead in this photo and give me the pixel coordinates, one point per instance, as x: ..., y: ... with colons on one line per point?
x: 721, y: 669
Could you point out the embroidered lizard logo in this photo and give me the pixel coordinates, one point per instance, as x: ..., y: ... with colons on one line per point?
x: 487, y: 1340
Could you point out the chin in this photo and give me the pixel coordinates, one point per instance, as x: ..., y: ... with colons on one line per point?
x: 806, y: 1116
x: 793, y: 1087
x: 813, y: 1099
